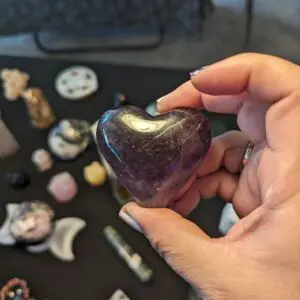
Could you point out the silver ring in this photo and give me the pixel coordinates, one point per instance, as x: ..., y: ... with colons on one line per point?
x: 247, y: 154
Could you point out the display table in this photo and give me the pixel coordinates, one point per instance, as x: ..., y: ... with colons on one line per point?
x: 97, y: 271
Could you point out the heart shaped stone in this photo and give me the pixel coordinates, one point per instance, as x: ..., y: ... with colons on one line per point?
x: 153, y: 156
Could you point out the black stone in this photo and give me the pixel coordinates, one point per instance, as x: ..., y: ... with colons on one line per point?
x: 18, y: 179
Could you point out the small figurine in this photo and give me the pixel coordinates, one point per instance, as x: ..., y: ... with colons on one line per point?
x: 42, y: 159
x: 69, y: 138
x: 15, y: 289
x: 14, y: 83
x: 63, y: 187
x: 39, y: 110
x: 76, y: 83
x: 32, y: 222
x: 18, y: 179
x: 94, y: 174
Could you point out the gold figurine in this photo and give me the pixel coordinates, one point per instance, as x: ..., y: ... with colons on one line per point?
x: 39, y: 110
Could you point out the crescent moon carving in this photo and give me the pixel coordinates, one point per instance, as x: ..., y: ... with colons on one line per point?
x: 5, y: 236
x: 61, y: 243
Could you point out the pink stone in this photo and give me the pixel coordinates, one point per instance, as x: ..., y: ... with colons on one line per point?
x: 62, y: 187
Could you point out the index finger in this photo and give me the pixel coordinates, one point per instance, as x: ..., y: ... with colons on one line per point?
x: 254, y: 76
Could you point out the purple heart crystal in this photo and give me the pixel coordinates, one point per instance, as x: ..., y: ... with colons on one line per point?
x: 153, y: 157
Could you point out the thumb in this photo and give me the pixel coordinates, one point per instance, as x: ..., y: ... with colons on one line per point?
x: 183, y: 245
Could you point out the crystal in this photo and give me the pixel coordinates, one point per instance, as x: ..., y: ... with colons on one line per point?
x: 62, y: 187
x: 94, y: 174
x: 69, y: 138
x: 18, y: 179
x: 133, y: 260
x: 14, y: 83
x: 153, y: 156
x: 42, y: 159
x: 39, y: 110
x: 32, y: 222
x: 62, y: 241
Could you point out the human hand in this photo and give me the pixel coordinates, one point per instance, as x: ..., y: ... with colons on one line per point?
x: 260, y: 257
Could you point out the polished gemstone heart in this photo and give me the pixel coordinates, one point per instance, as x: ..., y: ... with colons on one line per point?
x: 153, y: 156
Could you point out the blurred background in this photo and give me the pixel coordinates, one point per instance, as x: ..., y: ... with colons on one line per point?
x: 194, y: 32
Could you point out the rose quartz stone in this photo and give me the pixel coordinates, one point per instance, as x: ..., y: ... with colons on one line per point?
x: 62, y: 187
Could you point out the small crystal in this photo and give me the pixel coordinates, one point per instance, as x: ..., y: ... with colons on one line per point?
x: 62, y: 187
x: 18, y: 179
x: 94, y: 174
x: 39, y: 110
x: 42, y: 159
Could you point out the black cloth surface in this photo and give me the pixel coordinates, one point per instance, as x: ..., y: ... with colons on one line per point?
x: 97, y: 271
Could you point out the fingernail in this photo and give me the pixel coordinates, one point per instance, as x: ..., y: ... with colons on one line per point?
x: 129, y: 220
x: 194, y: 73
x: 158, y: 102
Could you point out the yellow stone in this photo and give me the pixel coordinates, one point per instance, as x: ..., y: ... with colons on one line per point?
x: 94, y: 174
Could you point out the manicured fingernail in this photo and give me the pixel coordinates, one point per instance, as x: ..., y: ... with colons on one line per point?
x: 158, y: 103
x: 194, y: 73
x: 129, y: 220
x: 158, y: 100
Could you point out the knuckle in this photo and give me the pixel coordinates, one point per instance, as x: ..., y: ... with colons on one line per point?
x: 158, y: 247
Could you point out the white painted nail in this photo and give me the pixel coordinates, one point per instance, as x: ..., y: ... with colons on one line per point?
x: 158, y: 100
x: 129, y: 220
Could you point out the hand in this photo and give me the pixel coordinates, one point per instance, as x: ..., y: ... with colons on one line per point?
x: 260, y: 257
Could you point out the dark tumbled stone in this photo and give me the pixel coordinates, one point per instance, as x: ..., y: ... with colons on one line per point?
x: 18, y: 179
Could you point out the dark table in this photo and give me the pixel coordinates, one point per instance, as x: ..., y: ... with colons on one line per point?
x: 97, y: 271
